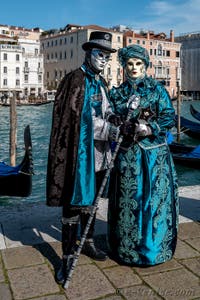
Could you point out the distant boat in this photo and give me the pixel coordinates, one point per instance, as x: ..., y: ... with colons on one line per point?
x: 28, y: 103
x: 194, y: 112
x: 17, y: 181
x: 190, y: 128
x: 185, y: 154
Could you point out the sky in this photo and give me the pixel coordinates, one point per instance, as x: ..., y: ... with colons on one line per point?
x: 182, y: 16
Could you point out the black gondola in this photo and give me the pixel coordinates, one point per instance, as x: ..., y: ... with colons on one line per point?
x: 185, y: 154
x: 190, y: 128
x: 194, y: 112
x: 17, y: 181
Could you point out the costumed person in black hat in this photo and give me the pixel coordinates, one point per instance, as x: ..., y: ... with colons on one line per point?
x: 143, y: 201
x: 79, y: 151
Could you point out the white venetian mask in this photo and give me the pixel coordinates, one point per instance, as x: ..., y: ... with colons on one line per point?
x: 99, y: 59
x: 135, y: 68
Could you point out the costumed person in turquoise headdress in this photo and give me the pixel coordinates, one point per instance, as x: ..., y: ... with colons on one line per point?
x: 79, y: 151
x: 143, y: 206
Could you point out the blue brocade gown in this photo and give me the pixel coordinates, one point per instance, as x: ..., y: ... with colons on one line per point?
x: 143, y: 199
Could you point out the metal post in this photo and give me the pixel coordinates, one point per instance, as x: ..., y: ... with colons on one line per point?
x: 13, y: 129
x: 178, y: 113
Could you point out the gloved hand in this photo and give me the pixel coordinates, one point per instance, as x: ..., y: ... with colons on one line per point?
x: 127, y: 129
x: 115, y: 119
x: 133, y: 102
x: 142, y: 128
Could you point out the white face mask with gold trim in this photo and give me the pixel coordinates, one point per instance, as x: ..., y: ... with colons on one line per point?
x: 135, y: 68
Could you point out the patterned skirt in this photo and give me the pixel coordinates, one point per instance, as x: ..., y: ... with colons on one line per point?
x: 143, y: 206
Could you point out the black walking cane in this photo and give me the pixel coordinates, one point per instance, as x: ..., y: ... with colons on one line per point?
x: 133, y: 104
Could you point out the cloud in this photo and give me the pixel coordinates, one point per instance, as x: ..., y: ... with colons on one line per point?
x: 181, y: 16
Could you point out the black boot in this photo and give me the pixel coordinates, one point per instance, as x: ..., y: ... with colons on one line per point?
x: 69, y: 236
x: 63, y: 271
x: 89, y: 247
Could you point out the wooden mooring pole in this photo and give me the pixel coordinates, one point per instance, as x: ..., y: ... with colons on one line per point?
x: 178, y: 113
x: 13, y: 130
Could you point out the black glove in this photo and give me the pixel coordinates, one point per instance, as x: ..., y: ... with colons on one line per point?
x: 115, y: 120
x: 127, y: 129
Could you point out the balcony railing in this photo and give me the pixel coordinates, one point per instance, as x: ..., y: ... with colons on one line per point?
x: 26, y: 69
x: 162, y: 76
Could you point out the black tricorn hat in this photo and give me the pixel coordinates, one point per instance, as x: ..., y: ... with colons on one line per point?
x: 100, y: 40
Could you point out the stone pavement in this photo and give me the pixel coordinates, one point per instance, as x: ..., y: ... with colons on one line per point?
x: 30, y: 253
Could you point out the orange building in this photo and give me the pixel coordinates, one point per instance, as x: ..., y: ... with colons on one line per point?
x: 164, y: 55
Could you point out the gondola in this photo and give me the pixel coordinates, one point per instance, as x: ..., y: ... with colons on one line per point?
x: 194, y: 112
x: 17, y: 181
x: 28, y: 103
x: 185, y: 154
x: 190, y: 128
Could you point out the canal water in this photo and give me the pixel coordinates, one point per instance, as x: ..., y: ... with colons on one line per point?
x: 39, y: 118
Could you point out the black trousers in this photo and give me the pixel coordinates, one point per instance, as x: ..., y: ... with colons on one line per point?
x: 71, y: 218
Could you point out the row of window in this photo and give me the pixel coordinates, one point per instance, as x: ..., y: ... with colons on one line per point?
x: 63, y: 41
x: 5, y: 55
x: 159, y: 51
x: 61, y: 55
x: 60, y: 42
x: 5, y: 69
x: 26, y: 80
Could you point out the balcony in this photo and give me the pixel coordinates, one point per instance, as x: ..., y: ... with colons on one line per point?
x: 26, y: 69
x: 162, y: 76
x: 40, y: 70
x: 109, y: 77
x: 119, y: 77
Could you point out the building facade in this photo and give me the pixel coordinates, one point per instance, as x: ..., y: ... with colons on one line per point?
x: 164, y: 56
x: 21, y: 63
x: 190, y: 64
x: 63, y: 53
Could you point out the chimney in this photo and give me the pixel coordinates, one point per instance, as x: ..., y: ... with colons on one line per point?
x: 148, y: 35
x: 172, y: 36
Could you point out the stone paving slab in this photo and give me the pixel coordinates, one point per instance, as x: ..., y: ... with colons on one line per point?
x: 21, y: 257
x: 122, y: 276
x: 2, y: 240
x: 88, y: 282
x: 195, y: 243
x: 183, y: 250
x: 169, y: 265
x: 31, y: 282
x: 189, y: 230
x: 5, y: 293
x: 139, y: 292
x: 192, y: 264
x: 52, y: 297
x: 1, y: 272
x: 113, y: 297
x: 176, y: 284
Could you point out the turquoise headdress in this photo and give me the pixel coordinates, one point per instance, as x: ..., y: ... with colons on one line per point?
x: 133, y: 51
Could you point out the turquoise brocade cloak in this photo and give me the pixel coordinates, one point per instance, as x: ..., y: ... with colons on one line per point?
x: 143, y: 206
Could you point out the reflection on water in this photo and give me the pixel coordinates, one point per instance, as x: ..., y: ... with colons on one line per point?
x: 186, y: 175
x: 39, y: 119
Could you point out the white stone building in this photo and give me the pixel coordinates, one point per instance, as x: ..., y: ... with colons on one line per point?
x: 63, y: 53
x: 21, y: 63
